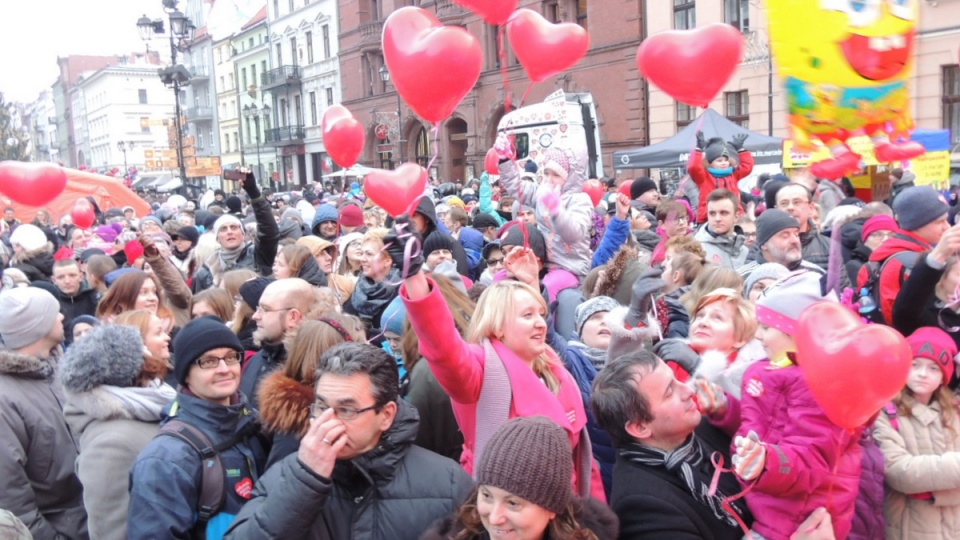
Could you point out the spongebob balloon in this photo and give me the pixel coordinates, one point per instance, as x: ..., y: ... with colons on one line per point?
x: 844, y: 65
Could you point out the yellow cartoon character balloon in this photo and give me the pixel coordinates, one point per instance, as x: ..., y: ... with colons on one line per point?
x: 845, y: 65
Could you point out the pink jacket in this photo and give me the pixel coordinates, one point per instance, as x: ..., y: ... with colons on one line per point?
x: 810, y: 461
x: 459, y: 366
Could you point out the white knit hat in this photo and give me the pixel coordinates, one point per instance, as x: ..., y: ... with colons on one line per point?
x: 30, y: 237
x: 26, y: 315
x: 224, y: 220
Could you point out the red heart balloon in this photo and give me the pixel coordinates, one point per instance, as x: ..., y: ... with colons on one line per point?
x: 543, y: 48
x: 432, y: 66
x: 492, y: 11
x: 595, y: 190
x: 82, y: 214
x: 852, y: 368
x: 32, y: 184
x: 692, y: 66
x: 491, y: 162
x: 396, y: 191
x: 342, y: 135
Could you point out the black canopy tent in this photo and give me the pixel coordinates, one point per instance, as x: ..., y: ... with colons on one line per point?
x: 675, y: 151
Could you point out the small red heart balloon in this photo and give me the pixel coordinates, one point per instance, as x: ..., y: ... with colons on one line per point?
x: 853, y: 369
x: 543, y: 48
x: 342, y: 135
x: 491, y: 162
x: 432, y: 66
x: 692, y: 66
x: 82, y: 214
x: 595, y: 190
x: 32, y: 184
x: 492, y: 11
x: 396, y: 191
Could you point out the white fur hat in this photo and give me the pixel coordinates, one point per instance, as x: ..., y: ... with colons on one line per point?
x: 30, y: 237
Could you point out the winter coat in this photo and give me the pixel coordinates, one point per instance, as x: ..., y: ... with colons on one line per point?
x: 614, y: 236
x: 439, y: 431
x: 917, y: 304
x: 868, y: 522
x: 591, y: 514
x: 36, y: 264
x: 38, y: 482
x: 472, y: 242
x: 485, y: 200
x: 393, y: 492
x: 428, y: 210
x: 815, y: 248
x: 678, y: 318
x: 707, y: 182
x: 284, y: 412
x: 922, y: 456
x: 568, y: 233
x: 268, y: 359
x: 175, y: 290
x: 11, y: 528
x: 165, y: 478
x: 460, y: 366
x: 829, y: 196
x: 811, y: 462
x: 859, y: 256
x: 655, y: 504
x: 893, y: 274
x: 257, y: 256
x: 726, y: 250
x: 850, y: 237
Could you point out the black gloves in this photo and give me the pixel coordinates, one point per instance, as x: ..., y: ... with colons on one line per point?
x: 250, y: 186
x: 645, y: 290
x: 737, y: 141
x: 679, y: 352
x: 395, y: 242
x: 701, y: 141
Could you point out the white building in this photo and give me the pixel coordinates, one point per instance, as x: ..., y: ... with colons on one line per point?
x: 43, y: 128
x: 251, y: 60
x: 200, y: 106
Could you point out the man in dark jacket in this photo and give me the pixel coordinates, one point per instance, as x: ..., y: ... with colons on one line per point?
x: 38, y: 482
x: 165, y: 480
x: 796, y: 200
x: 424, y: 219
x: 75, y: 299
x: 357, y: 473
x: 663, y: 469
x: 234, y: 251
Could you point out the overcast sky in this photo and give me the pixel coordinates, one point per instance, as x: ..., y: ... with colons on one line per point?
x: 33, y: 33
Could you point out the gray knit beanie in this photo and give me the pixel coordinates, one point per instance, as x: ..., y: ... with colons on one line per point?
x: 592, y: 306
x: 26, y: 315
x: 918, y: 206
x: 531, y: 458
x: 772, y: 221
x: 764, y: 271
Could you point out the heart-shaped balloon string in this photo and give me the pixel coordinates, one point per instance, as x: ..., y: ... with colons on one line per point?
x: 692, y: 66
x: 342, y: 135
x: 543, y: 48
x: 32, y: 184
x: 432, y: 66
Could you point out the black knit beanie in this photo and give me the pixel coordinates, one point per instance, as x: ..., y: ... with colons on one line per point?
x: 535, y: 240
x: 531, y: 458
x: 437, y: 240
x: 197, y: 337
x: 252, y: 290
x: 234, y: 204
x: 640, y: 186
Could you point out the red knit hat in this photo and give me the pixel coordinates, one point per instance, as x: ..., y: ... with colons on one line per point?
x: 351, y: 215
x: 937, y: 345
x: 881, y: 222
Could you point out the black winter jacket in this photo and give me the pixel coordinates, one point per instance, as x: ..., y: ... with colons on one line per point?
x: 257, y: 256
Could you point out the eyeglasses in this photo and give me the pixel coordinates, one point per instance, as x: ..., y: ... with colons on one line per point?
x: 495, y: 262
x: 342, y: 412
x: 261, y: 310
x: 210, y: 362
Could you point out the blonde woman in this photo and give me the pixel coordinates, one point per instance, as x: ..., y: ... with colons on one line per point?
x: 378, y: 282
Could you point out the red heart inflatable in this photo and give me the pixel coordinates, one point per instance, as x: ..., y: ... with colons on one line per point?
x: 32, y: 184
x: 396, y: 191
x: 492, y: 11
x: 491, y: 162
x: 595, y: 190
x: 342, y: 135
x: 691, y: 65
x: 82, y: 214
x: 432, y: 66
x: 543, y: 48
x: 852, y: 368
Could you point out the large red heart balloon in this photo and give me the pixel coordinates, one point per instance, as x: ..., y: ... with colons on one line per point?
x: 595, y: 190
x: 342, y: 135
x: 691, y: 65
x: 543, y: 48
x: 396, y: 191
x: 852, y: 368
x: 432, y: 66
x: 491, y: 162
x: 492, y: 11
x: 32, y: 184
x: 82, y: 214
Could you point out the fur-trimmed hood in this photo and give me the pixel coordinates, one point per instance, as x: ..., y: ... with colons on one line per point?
x: 22, y: 365
x: 110, y: 354
x: 284, y: 404
x: 625, y: 340
x: 46, y: 249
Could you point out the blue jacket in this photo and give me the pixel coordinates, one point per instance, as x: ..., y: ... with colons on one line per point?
x: 614, y: 236
x: 165, y: 478
x: 472, y: 242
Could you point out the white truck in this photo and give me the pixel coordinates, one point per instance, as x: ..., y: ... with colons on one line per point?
x: 569, y: 120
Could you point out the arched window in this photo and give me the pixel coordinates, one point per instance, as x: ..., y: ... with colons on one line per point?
x: 423, y: 147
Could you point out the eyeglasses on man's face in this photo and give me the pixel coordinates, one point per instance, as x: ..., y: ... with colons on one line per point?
x: 261, y: 310
x: 343, y: 412
x: 210, y: 361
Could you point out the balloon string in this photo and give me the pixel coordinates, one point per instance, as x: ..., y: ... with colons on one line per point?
x: 504, y: 78
x: 525, y: 94
x: 411, y: 250
x: 727, y: 502
x: 436, y: 145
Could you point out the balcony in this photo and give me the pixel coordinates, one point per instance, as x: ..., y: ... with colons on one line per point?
x: 199, y: 72
x: 282, y: 135
x: 370, y: 32
x: 322, y: 67
x: 281, y: 76
x: 449, y: 13
x: 199, y: 114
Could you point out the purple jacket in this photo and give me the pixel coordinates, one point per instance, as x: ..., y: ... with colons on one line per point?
x: 810, y: 461
x: 868, y: 522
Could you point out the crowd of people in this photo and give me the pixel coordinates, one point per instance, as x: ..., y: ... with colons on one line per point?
x: 508, y: 361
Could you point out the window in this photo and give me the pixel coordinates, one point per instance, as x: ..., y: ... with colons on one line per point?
x: 276, y: 8
x: 142, y: 94
x: 423, y: 147
x: 226, y: 143
x: 685, y: 114
x: 236, y: 141
x: 738, y: 107
x: 294, y: 51
x: 951, y: 101
x: 291, y: 5
x: 684, y: 14
x: 263, y: 66
x: 736, y: 13
x: 279, y: 55
x: 283, y: 112
x: 223, y: 85
x: 243, y: 77
x: 313, y: 108
x: 200, y: 139
x: 582, y: 13
x: 309, y: 47
x: 326, y: 40
x: 552, y: 12
x: 253, y: 73
x: 298, y: 110
x: 233, y: 109
x: 219, y: 56
x: 329, y: 97
x: 250, y: 43
x: 144, y: 124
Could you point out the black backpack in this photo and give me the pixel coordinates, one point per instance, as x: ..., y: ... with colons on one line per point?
x: 874, y: 270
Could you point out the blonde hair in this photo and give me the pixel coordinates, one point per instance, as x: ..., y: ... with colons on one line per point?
x: 295, y: 255
x: 490, y: 320
x: 153, y: 367
x: 744, y: 312
x: 710, y: 278
x: 312, y: 339
x: 943, y: 395
x: 233, y: 279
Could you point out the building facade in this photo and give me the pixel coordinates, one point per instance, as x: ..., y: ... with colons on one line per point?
x: 228, y: 116
x: 252, y: 60
x: 200, y: 106
x: 43, y: 128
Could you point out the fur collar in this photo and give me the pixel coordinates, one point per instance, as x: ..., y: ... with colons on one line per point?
x: 715, y: 366
x: 284, y: 404
x: 46, y: 249
x: 13, y: 363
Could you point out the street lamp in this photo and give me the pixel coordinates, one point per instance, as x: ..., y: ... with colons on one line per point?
x: 385, y: 77
x: 252, y: 111
x: 123, y: 147
x: 181, y: 34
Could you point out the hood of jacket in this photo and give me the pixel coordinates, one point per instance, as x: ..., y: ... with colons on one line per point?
x: 731, y: 244
x: 311, y: 273
x: 325, y: 212
x: 850, y: 233
x: 647, y: 238
x: 379, y: 465
x: 29, y: 367
x: 36, y: 264
x: 427, y: 209
x: 901, y: 241
x: 284, y: 404
x: 289, y: 228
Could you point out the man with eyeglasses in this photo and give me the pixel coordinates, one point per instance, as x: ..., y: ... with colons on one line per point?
x: 796, y: 200
x: 357, y: 472
x: 166, y: 479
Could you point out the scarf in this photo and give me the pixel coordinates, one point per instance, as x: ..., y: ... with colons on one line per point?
x: 597, y: 357
x: 228, y: 258
x: 143, y: 403
x: 370, y: 297
x: 720, y: 173
x: 686, y: 461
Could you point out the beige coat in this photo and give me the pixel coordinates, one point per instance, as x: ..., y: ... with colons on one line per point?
x: 921, y: 456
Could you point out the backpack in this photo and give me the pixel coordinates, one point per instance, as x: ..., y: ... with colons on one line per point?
x: 873, y: 271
